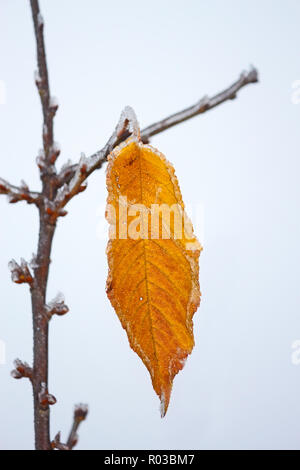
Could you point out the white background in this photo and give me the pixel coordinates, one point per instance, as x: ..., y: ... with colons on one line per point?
x: 239, y: 388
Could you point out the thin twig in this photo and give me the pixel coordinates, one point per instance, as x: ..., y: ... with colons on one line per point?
x: 42, y: 260
x: 49, y: 106
x: 80, y: 414
x: 205, y: 104
x: 19, y: 193
x: 78, y: 173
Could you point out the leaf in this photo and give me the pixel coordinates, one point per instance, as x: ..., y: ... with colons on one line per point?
x: 152, y: 282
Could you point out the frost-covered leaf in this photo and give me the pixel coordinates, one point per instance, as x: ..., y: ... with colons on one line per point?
x: 153, y: 265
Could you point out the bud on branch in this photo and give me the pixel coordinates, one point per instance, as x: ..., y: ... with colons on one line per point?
x: 22, y: 369
x: 20, y: 274
x: 57, y: 306
x: 46, y: 398
x: 57, y: 444
x: 16, y: 194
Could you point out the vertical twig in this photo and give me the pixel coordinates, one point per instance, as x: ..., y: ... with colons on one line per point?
x: 46, y: 233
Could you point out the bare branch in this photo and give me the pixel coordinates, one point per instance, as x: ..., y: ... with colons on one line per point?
x: 80, y: 414
x: 205, y: 104
x: 57, y: 444
x: 72, y: 177
x: 19, y: 193
x: 49, y: 104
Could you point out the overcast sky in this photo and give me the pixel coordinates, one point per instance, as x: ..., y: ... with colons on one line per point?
x: 239, y: 164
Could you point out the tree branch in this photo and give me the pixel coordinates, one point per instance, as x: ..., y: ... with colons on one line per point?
x: 72, y: 177
x: 41, y: 312
x: 49, y: 105
x: 80, y: 414
x: 205, y: 104
x: 19, y: 193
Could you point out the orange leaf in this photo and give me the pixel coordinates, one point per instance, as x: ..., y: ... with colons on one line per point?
x: 153, y: 261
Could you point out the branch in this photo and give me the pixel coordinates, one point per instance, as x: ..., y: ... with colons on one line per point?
x: 38, y: 281
x: 49, y: 104
x: 72, y: 177
x: 57, y: 444
x: 205, y: 104
x: 80, y: 414
x: 19, y: 193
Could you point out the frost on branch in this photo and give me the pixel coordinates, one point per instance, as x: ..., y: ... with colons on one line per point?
x: 33, y: 262
x: 65, y: 173
x: 80, y: 412
x: 20, y: 274
x: 54, y: 152
x: 57, y: 306
x: 22, y: 369
x: 40, y: 20
x: 53, y: 210
x: 37, y: 78
x: 46, y: 398
x: 128, y: 121
x: 57, y: 444
x: 16, y: 194
x: 77, y: 183
x: 53, y: 103
x: 41, y: 159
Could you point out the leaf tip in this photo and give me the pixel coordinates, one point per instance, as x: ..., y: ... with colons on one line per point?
x: 163, y: 408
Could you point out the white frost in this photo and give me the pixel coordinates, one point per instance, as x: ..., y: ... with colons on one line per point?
x: 40, y: 20
x: 53, y: 102
x: 24, y: 185
x: 129, y: 115
x: 13, y: 265
x: 33, y: 262
x: 58, y: 299
x: 56, y: 147
x: 37, y: 76
x: 82, y: 406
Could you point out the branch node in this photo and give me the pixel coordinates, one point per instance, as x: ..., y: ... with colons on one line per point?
x: 57, y: 306
x: 54, y: 211
x: 22, y: 369
x: 57, y: 444
x: 45, y: 398
x: 20, y: 274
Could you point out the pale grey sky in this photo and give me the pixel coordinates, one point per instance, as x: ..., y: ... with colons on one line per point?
x: 240, y: 162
